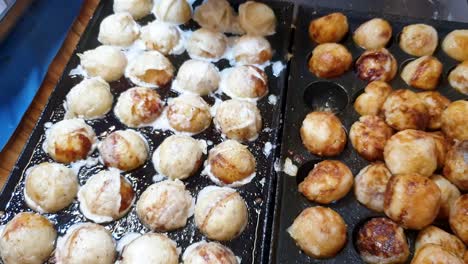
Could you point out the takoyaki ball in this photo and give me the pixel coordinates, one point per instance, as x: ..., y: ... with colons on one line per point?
x: 380, y: 240
x: 231, y: 162
x: 419, y: 40
x: 435, y: 104
x: 50, y: 187
x: 206, y: 44
x: 370, y: 185
x: 465, y: 257
x: 86, y: 243
x: 327, y: 182
x: 106, y: 196
x: 404, y: 109
x: 257, y: 18
x: 151, y: 248
x: 189, y: 113
x: 319, y: 231
x: 107, y: 62
x: 28, y: 238
x: 217, y: 15
x: 449, y: 193
x: 411, y: 151
x: 330, y: 28
x: 208, y: 253
x: 456, y: 165
x: 455, y: 120
x: 458, y: 218
x: 330, y: 60
x: 245, y: 81
x: 322, y: 134
x: 376, y: 65
x: 69, y: 140
x: 458, y: 78
x: 160, y: 36
x: 369, y: 135
x: 173, y: 11
x: 137, y: 8
x: 412, y: 200
x: 220, y: 213
x: 437, y: 236
x: 239, y: 120
x: 124, y: 149
x: 199, y: 77
x: 423, y: 73
x: 89, y: 99
x: 138, y: 106
x: 252, y: 50
x: 150, y: 69
x: 431, y: 253
x: 164, y: 206
x: 442, y: 146
x: 370, y: 102
x: 373, y: 34
x: 118, y: 29
x: 455, y: 44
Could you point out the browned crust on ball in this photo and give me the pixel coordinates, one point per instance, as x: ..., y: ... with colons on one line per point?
x: 372, y: 64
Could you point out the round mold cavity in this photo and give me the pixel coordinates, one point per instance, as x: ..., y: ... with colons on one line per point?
x: 324, y: 95
x: 305, y: 169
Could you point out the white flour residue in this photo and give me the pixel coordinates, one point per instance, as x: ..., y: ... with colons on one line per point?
x: 267, y: 149
x: 289, y: 167
x: 78, y: 71
x: 277, y: 67
x: 87, y: 163
x: 272, y: 99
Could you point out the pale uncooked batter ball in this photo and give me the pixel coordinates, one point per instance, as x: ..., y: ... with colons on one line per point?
x: 257, y: 18
x: 27, y: 239
x: 252, y: 50
x: 86, y: 243
x: 458, y: 78
x: 124, y: 149
x: 231, y: 163
x: 370, y: 102
x: 189, y: 113
x: 118, y: 29
x: 437, y: 236
x: 50, y: 187
x: 458, y: 218
x: 106, y: 196
x: 69, y: 140
x: 217, y: 15
x: 137, y: 8
x: 239, y: 120
x: 431, y: 253
x: 449, y: 193
x: 165, y: 206
x: 199, y: 77
x: 370, y: 185
x: 404, y: 109
x: 423, y: 73
x: 435, y: 104
x: 161, y: 36
x: 206, y: 44
x: 245, y: 81
x: 150, y: 69
x: 330, y: 28
x: 373, y: 34
x: 151, y: 248
x: 419, y: 39
x: 376, y: 65
x: 107, y: 62
x: 455, y: 44
x: 455, y: 120
x: 456, y: 165
x: 138, y: 106
x: 220, y: 213
x: 173, y: 11
x: 208, y: 253
x: 89, y: 99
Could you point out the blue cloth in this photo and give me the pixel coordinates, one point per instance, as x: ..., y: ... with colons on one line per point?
x: 25, y: 56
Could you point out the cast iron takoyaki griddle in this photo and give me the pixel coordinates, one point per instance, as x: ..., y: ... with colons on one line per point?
x: 253, y: 244
x: 307, y: 93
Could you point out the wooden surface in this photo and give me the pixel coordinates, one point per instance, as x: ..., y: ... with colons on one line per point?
x: 10, y: 153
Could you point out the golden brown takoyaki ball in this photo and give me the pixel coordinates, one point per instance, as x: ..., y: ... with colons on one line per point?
x: 423, y: 73
x: 376, y: 65
x: 319, y: 231
x: 370, y: 102
x: 458, y: 218
x: 322, y: 134
x: 412, y: 200
x: 330, y: 60
x: 330, y: 28
x: 419, y: 39
x: 404, y: 109
x: 370, y: 185
x: 328, y: 181
x: 209, y: 253
x: 465, y: 258
x: 455, y: 44
x: 437, y: 236
x: 380, y: 240
x: 449, y: 193
x: 189, y: 113
x: 455, y: 120
x: 435, y: 104
x: 442, y: 146
x: 431, y: 253
x: 250, y: 49
x: 373, y: 34
x: 411, y: 151
x: 456, y: 165
x: 369, y: 135
x: 458, y: 78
